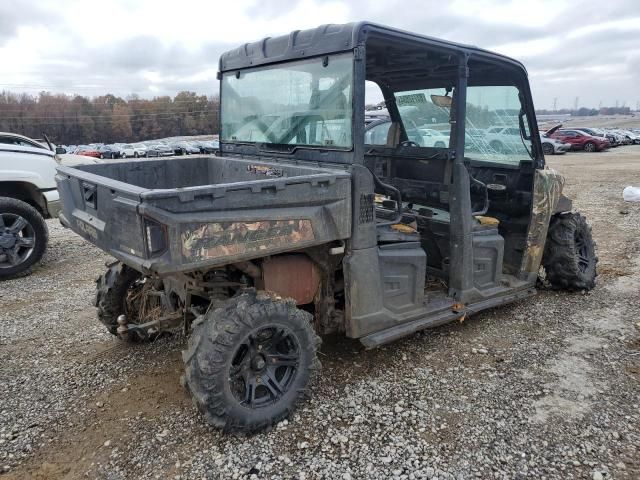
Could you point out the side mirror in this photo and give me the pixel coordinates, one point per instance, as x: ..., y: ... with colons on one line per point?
x: 60, y: 151
x: 443, y: 101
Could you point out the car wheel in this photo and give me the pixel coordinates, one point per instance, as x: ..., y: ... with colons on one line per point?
x: 101, y: 156
x: 439, y: 145
x: 547, y: 148
x: 589, y: 147
x: 23, y: 237
x: 135, y: 155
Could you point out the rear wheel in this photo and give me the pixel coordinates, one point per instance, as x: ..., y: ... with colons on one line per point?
x: 249, y: 363
x: 570, y: 253
x: 439, y: 144
x: 121, y: 290
x: 23, y: 237
x: 589, y: 147
x: 135, y: 155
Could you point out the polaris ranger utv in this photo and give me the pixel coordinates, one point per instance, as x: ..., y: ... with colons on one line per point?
x: 303, y: 226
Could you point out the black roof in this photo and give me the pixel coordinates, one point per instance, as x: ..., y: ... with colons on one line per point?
x: 327, y: 39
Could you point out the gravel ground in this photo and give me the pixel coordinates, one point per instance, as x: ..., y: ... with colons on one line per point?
x: 545, y: 388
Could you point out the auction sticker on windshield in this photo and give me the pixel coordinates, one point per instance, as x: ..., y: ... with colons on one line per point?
x: 411, y: 99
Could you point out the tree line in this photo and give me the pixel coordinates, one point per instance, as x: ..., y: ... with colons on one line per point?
x: 76, y: 119
x: 587, y: 112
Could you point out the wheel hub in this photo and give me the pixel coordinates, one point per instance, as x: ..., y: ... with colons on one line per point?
x: 264, y: 366
x: 258, y: 363
x: 7, y: 239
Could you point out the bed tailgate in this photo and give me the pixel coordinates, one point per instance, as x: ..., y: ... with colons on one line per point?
x: 102, y: 211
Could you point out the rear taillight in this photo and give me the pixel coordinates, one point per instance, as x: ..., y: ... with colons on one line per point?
x: 156, y: 236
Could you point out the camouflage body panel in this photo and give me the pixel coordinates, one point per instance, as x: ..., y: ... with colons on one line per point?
x: 547, y: 190
x: 206, y: 241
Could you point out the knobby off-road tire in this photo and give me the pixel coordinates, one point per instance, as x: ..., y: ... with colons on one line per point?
x: 23, y: 237
x: 112, y: 288
x: 248, y: 364
x: 570, y: 253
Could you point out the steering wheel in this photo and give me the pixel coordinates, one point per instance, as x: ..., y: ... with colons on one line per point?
x: 484, y: 188
x: 409, y: 143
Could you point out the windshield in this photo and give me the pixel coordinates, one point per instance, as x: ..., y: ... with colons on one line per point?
x: 305, y: 103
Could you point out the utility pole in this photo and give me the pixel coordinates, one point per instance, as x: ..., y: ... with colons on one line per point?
x: 555, y: 104
x: 575, y: 103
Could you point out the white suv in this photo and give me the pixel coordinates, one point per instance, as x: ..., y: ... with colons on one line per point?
x: 28, y: 194
x: 130, y: 150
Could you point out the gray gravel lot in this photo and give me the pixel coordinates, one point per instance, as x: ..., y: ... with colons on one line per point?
x: 545, y: 388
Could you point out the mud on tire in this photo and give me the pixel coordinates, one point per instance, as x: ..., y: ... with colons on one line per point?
x: 249, y: 363
x: 111, y: 293
x: 570, y: 253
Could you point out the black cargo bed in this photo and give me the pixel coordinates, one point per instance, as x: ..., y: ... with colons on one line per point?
x: 198, y: 212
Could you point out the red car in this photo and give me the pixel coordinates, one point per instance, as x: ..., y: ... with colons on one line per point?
x: 88, y: 152
x: 579, y: 140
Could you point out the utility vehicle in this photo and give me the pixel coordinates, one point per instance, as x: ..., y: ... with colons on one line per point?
x: 298, y: 228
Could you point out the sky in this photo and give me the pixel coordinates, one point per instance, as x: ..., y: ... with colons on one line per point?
x: 571, y: 48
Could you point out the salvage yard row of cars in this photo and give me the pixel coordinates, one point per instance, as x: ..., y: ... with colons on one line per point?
x: 159, y: 148
x: 503, y: 138
x: 29, y: 195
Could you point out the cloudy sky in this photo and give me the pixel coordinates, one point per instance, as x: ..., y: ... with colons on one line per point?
x: 572, y: 48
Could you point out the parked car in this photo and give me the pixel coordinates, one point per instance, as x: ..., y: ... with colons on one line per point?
x: 109, y: 151
x: 434, y: 138
x: 579, y: 140
x: 209, y: 146
x: 502, y: 139
x: 87, y: 151
x: 622, y: 139
x: 631, y: 136
x: 177, y: 147
x: 141, y: 148
x: 188, y: 147
x: 553, y: 146
x: 159, y: 150
x: 129, y: 150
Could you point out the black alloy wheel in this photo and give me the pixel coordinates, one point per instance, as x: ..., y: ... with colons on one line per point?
x: 264, y: 366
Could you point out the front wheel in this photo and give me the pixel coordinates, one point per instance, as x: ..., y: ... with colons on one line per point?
x: 23, y: 237
x: 249, y: 363
x: 589, y: 147
x: 547, y: 148
x: 570, y: 253
x: 135, y: 155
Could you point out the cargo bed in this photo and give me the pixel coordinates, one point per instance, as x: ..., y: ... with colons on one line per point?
x: 194, y: 213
